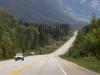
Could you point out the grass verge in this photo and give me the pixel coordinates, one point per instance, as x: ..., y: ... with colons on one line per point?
x: 88, y: 62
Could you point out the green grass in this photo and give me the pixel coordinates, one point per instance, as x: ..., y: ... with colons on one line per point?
x: 88, y: 62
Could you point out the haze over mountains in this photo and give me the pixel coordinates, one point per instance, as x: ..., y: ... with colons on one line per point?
x: 44, y: 11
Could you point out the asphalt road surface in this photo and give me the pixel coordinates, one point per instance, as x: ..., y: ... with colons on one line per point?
x: 50, y: 64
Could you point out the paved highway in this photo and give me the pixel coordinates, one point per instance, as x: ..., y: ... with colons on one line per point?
x: 50, y: 64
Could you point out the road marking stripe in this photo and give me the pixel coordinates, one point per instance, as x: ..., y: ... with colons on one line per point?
x: 17, y: 72
x: 60, y: 67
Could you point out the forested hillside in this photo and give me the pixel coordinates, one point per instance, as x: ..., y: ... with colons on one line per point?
x: 86, y: 49
x: 22, y: 37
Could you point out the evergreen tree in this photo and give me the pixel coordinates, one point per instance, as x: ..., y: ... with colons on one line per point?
x: 93, y: 21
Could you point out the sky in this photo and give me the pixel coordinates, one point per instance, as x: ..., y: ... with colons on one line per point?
x: 59, y: 10
x: 81, y: 9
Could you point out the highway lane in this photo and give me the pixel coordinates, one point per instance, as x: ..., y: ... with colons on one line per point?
x: 12, y: 67
x: 64, y: 48
x: 49, y: 64
x: 74, y: 69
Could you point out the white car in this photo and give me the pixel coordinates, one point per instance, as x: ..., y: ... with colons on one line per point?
x: 19, y: 56
x: 32, y: 53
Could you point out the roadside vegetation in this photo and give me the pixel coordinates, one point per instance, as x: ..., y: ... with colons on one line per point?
x: 20, y: 37
x: 53, y: 45
x: 86, y: 49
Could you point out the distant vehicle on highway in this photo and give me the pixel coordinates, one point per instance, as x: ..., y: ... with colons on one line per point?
x: 32, y: 53
x: 19, y: 56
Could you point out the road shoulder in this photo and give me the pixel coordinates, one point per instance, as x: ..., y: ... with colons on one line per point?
x: 74, y: 69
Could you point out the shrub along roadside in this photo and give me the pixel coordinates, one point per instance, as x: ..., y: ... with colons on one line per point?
x: 86, y: 50
x: 19, y: 37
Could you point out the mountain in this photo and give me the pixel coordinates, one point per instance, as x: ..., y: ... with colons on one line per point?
x: 40, y: 11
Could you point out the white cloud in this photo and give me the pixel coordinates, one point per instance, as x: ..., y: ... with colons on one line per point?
x: 78, y: 17
x: 81, y: 1
x: 95, y: 4
x: 69, y: 11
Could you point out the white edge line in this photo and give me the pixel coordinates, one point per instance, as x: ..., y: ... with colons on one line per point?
x: 60, y: 67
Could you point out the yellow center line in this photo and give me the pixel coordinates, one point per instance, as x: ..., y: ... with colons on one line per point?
x: 17, y: 72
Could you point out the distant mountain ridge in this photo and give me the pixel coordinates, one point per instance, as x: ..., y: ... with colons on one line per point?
x: 38, y: 11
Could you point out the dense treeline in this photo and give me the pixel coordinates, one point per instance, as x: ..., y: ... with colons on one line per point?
x: 88, y: 41
x: 22, y: 37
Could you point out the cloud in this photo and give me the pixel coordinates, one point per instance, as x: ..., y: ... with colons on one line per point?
x: 95, y: 4
x: 70, y: 12
x: 75, y: 16
x: 78, y: 17
x: 81, y: 1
